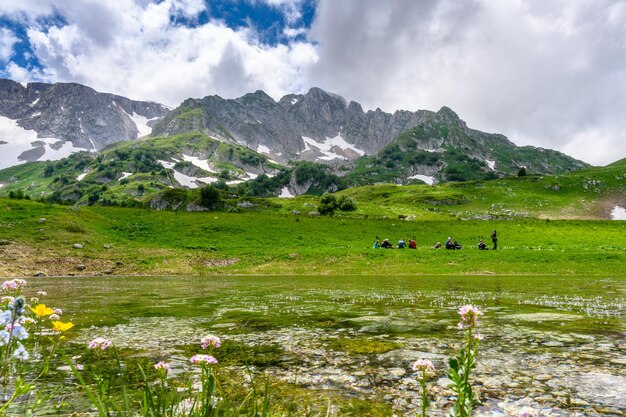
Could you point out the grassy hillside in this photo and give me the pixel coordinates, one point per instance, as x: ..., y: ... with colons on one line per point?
x: 138, y: 241
x: 621, y: 162
x: 444, y: 148
x: 591, y: 193
x: 586, y: 194
x: 129, y: 173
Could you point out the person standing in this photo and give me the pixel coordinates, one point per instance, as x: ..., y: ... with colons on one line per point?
x: 494, y: 239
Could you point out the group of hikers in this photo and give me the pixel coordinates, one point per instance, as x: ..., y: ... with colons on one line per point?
x: 450, y: 244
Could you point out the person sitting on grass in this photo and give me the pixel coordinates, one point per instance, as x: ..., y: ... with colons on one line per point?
x: 481, y: 245
x: 437, y: 245
x: 377, y: 244
x: 401, y: 244
x: 452, y: 245
x: 412, y: 244
x: 386, y: 244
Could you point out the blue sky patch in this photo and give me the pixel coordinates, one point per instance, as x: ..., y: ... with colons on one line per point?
x: 268, y: 21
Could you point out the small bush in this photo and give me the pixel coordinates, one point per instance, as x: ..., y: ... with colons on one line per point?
x: 346, y: 203
x: 328, y: 204
x: 210, y: 196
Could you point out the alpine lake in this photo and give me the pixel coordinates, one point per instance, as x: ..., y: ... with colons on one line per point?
x: 344, y: 345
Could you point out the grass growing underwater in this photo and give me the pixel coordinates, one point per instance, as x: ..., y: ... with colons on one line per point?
x: 368, y: 332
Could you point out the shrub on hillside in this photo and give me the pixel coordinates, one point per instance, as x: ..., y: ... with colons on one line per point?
x: 210, y: 196
x: 346, y: 203
x: 328, y: 204
x: 18, y: 195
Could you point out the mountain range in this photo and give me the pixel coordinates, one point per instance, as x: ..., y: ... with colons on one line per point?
x: 236, y: 140
x: 42, y: 121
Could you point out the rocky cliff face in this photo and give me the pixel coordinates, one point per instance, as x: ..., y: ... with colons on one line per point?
x: 316, y: 126
x: 323, y: 127
x: 39, y: 118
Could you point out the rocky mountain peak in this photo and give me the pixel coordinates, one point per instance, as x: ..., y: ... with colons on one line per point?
x: 448, y: 113
x: 290, y: 100
x: 49, y: 121
x: 258, y: 95
x: 447, y: 116
x: 318, y: 97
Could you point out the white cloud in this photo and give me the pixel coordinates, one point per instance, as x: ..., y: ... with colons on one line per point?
x: 539, y: 72
x: 548, y: 74
x: 19, y: 74
x: 27, y: 8
x: 135, y: 50
x: 7, y: 41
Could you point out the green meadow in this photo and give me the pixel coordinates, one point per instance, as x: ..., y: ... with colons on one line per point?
x: 130, y: 241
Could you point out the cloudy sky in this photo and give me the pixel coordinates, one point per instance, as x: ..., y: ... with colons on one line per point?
x: 544, y: 73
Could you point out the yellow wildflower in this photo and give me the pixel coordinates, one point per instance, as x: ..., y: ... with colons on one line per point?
x: 59, y: 326
x: 41, y: 310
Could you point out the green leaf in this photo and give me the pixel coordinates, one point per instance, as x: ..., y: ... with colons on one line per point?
x: 453, y: 363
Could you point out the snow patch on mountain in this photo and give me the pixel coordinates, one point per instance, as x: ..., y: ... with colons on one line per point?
x: 81, y: 176
x: 618, y: 213
x: 125, y: 175
x: 428, y: 180
x: 491, y: 164
x: 19, y: 145
x: 263, y: 149
x: 326, y: 148
x: 166, y: 164
x: 142, y: 124
x: 284, y: 193
x: 200, y: 163
x: 186, y: 180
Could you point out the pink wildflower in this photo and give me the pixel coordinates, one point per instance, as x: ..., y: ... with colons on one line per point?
x: 58, y: 311
x: 528, y: 412
x: 210, y: 340
x: 7, y: 299
x: 200, y: 359
x: 13, y: 285
x: 42, y: 293
x: 469, y: 316
x: 99, y: 343
x: 28, y: 320
x: 54, y: 317
x: 163, y: 365
x: 423, y: 366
